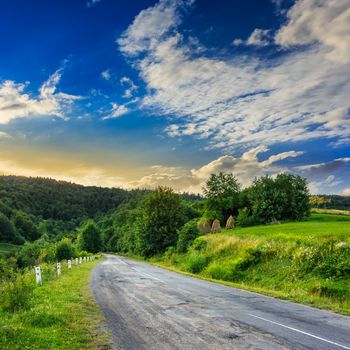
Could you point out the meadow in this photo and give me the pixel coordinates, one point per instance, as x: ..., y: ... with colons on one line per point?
x: 307, y: 262
x: 61, y: 314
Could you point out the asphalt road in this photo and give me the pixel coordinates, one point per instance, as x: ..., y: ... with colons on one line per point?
x: 151, y: 308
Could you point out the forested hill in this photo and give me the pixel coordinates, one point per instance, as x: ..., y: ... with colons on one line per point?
x: 59, y: 200
x: 33, y: 207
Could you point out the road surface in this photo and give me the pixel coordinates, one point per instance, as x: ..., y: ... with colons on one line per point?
x: 151, y: 308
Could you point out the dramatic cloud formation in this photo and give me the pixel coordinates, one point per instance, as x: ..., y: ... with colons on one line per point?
x: 322, y: 22
x: 245, y: 101
x: 15, y: 102
x: 245, y: 168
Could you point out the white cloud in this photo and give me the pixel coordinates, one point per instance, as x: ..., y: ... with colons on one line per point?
x: 4, y: 135
x: 259, y: 37
x: 15, y: 102
x: 117, y: 111
x: 245, y: 168
x: 318, y: 21
x: 131, y: 87
x: 346, y: 192
x: 92, y: 3
x: 240, y: 100
x: 106, y: 74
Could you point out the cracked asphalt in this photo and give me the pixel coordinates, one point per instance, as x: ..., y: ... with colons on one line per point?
x: 147, y: 307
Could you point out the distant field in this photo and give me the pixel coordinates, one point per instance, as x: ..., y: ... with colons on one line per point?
x: 330, y: 211
x: 318, y: 226
x: 6, y: 247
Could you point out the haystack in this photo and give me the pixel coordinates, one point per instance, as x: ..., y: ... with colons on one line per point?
x: 204, y: 227
x: 230, y: 223
x: 216, y: 228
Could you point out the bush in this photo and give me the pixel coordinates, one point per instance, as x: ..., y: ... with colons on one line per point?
x: 65, y: 249
x: 244, y: 219
x: 326, y: 260
x: 200, y: 243
x: 17, y: 292
x: 187, y: 234
x: 197, y: 262
x: 219, y: 271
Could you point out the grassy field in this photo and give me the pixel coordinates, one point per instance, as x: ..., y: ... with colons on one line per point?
x: 307, y: 262
x: 61, y: 315
x: 6, y: 247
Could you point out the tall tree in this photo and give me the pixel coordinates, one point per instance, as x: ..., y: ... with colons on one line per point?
x: 284, y: 198
x: 161, y: 217
x: 222, y: 193
x: 90, y: 238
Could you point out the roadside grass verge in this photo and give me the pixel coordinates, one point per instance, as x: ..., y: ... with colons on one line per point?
x: 61, y: 314
x: 306, y: 262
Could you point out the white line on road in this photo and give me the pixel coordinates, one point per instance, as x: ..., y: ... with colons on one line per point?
x: 302, y: 332
x: 146, y: 274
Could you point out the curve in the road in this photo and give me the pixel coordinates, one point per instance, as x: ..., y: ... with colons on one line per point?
x: 152, y: 308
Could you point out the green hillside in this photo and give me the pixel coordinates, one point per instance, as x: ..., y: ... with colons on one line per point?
x: 307, y: 261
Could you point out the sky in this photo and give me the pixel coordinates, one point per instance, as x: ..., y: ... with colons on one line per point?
x: 142, y: 93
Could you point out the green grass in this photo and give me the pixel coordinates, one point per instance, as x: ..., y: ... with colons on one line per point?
x: 319, y: 226
x: 307, y: 262
x: 6, y: 248
x: 61, y: 315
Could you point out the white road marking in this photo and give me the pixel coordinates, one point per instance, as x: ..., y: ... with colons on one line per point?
x: 122, y: 261
x: 146, y: 274
x: 302, y: 332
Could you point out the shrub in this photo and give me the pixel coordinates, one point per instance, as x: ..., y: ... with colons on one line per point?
x: 65, y: 249
x: 196, y: 262
x: 219, y: 271
x: 187, y: 234
x: 244, y: 219
x: 17, y: 292
x: 200, y: 243
x: 326, y: 260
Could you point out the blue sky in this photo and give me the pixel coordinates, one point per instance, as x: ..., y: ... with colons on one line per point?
x: 147, y: 93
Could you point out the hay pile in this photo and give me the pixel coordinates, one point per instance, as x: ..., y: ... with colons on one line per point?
x: 216, y: 228
x: 230, y: 223
x: 204, y: 227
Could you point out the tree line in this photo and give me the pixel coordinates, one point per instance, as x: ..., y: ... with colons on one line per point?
x: 144, y: 223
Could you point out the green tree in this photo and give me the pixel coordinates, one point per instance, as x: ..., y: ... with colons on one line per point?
x: 284, y: 198
x: 65, y: 249
x: 187, y: 234
x: 25, y: 226
x: 8, y: 232
x: 222, y: 193
x: 161, y: 216
x: 90, y: 238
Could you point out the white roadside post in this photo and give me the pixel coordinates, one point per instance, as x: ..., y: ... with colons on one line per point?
x: 84, y: 258
x: 58, y: 269
x: 76, y: 261
x: 69, y: 264
x: 80, y: 260
x: 88, y: 258
x: 38, y: 275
